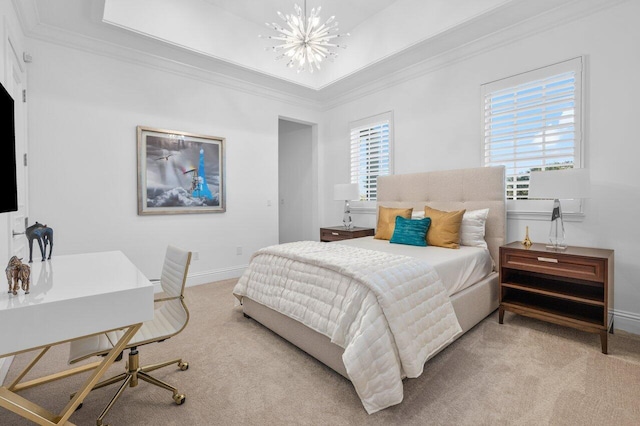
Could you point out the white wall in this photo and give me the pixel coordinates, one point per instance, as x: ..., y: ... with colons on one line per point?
x: 437, y: 126
x: 83, y: 113
x: 296, y: 193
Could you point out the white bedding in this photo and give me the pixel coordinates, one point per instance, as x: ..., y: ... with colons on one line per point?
x: 457, y: 268
x: 390, y: 313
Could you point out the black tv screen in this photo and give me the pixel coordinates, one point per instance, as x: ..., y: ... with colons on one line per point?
x: 9, y: 198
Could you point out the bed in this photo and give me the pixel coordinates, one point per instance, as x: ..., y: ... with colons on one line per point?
x: 470, y: 189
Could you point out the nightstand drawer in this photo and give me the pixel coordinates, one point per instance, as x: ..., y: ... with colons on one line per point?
x: 328, y: 235
x: 340, y: 233
x: 555, y: 264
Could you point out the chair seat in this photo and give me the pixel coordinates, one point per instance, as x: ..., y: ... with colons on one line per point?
x: 168, y: 320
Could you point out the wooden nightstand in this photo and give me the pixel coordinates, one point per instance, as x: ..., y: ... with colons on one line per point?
x: 573, y: 287
x: 337, y: 233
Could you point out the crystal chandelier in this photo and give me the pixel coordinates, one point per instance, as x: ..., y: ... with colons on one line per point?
x: 306, y: 42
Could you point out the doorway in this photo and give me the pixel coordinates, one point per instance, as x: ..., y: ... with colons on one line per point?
x: 295, y: 181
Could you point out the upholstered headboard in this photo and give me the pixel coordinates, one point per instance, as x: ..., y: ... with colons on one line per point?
x: 471, y: 189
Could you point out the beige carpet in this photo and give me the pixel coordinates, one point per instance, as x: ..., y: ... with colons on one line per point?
x: 524, y: 372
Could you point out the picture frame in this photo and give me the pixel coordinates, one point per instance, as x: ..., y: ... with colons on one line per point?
x: 180, y: 172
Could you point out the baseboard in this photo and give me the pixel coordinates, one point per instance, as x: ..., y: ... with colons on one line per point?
x: 5, y: 363
x: 626, y: 321
x: 206, y: 277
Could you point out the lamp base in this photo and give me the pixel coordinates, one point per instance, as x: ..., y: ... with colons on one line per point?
x: 556, y: 233
x: 556, y: 247
x: 346, y: 219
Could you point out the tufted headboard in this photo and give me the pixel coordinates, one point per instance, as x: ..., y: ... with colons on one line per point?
x: 471, y: 189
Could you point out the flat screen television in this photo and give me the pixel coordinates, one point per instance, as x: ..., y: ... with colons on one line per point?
x: 9, y: 195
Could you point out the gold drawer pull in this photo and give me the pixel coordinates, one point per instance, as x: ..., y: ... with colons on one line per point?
x: 335, y: 233
x: 547, y: 259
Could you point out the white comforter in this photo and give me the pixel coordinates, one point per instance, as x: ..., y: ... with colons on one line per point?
x: 390, y: 313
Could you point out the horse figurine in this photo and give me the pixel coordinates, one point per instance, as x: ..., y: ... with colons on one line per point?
x: 44, y: 235
x: 18, y: 272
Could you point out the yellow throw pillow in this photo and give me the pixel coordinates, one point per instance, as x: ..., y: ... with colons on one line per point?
x: 445, y: 227
x: 387, y: 221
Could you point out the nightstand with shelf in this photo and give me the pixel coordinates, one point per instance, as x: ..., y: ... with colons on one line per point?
x: 573, y: 287
x: 338, y: 233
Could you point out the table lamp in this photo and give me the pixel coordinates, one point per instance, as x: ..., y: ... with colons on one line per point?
x: 346, y: 192
x: 559, y: 184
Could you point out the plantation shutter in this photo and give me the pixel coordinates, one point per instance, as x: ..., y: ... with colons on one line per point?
x: 532, y: 122
x: 370, y: 154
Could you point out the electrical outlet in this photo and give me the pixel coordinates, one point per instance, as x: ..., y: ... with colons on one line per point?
x: 195, y: 255
x: 238, y: 251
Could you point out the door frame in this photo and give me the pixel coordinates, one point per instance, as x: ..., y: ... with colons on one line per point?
x: 315, y: 229
x: 17, y: 221
x: 12, y: 59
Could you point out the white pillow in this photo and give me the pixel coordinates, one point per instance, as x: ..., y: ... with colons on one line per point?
x: 419, y: 214
x: 472, y: 228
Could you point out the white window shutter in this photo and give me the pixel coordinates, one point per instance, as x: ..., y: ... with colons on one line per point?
x: 532, y: 121
x: 370, y: 153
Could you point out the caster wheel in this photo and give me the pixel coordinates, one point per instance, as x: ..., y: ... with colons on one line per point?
x: 179, y: 399
x: 183, y: 366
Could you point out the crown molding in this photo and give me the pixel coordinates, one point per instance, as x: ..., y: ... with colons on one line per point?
x: 448, y: 47
x: 27, y: 13
x: 366, y: 82
x: 180, y: 62
x: 136, y: 49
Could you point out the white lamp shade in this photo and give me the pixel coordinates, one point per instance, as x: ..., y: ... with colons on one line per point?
x: 561, y: 184
x: 346, y: 191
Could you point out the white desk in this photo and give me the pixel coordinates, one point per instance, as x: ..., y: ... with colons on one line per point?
x: 70, y: 297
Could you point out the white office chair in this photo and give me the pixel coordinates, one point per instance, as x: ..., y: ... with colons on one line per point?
x: 169, y: 319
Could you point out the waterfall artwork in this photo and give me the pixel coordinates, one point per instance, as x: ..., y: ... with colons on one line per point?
x: 179, y: 172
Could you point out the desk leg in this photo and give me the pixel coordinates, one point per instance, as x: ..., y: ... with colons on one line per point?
x: 98, y: 373
x: 12, y: 386
x: 31, y: 411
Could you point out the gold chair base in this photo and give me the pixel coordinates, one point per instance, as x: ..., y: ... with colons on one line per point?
x: 130, y: 379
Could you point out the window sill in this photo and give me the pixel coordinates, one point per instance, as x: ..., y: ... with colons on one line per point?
x: 363, y: 210
x: 511, y: 214
x: 544, y: 216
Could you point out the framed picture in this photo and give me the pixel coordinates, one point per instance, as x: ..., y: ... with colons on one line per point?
x: 179, y: 172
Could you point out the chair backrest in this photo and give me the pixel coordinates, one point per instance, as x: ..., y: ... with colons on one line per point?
x: 174, y: 271
x: 171, y: 317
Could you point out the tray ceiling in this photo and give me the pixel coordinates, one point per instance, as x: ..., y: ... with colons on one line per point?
x: 221, y: 36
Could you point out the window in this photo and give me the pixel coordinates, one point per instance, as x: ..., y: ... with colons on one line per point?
x: 532, y: 121
x: 371, y: 141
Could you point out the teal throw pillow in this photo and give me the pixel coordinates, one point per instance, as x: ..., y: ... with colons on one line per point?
x: 412, y: 232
